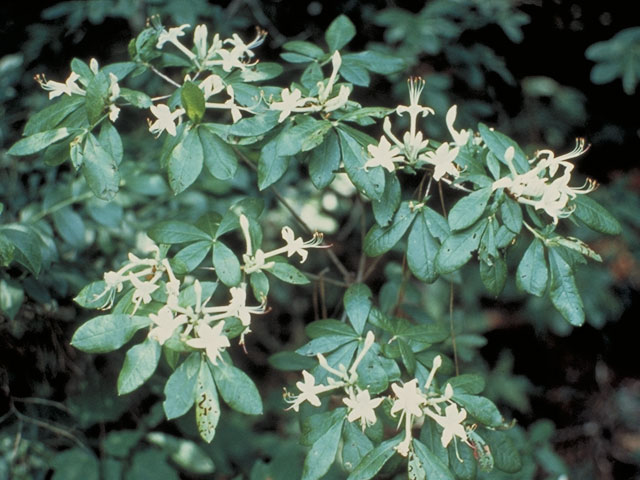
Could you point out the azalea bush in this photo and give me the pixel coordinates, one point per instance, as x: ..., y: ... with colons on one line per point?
x: 247, y: 200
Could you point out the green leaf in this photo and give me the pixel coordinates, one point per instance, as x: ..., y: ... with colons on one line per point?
x: 75, y: 464
x: 180, y: 389
x: 192, y: 255
x: 407, y: 356
x: 498, y: 144
x: 382, y: 239
x: 532, y: 273
x: 70, y: 226
x: 236, y: 388
x: 173, y: 231
x: 315, y: 426
x: 432, y: 465
x: 256, y: 125
x: 110, y: 140
x: 96, y: 97
x: 26, y: 247
x: 136, y: 98
x: 369, y: 183
x: 288, y: 273
x: 185, y: 162
x: 511, y: 213
x: 505, y: 454
x: 100, y: 169
x: 494, y: 276
x: 139, y: 364
x: 357, y: 303
x: 219, y: 157
x: 271, y: 165
x: 354, y: 72
x: 339, y: 33
x: 38, y: 141
x: 6, y: 251
x: 324, y: 160
x: 329, y: 326
x: 595, y: 216
x: 422, y: 250
x: 355, y: 445
x: 107, y: 332
x: 323, y: 453
x: 259, y: 285
x: 375, y: 459
x: 11, y: 298
x: 469, y: 209
x: 90, y: 295
x: 291, y: 361
x: 467, y: 383
x: 324, y: 344
x: 193, y: 101
x: 456, y: 250
x: 226, y: 264
x: 481, y: 408
x: 563, y: 291
x: 308, y: 49
x: 379, y: 62
x: 384, y: 208
x: 467, y: 469
x: 437, y: 224
x: 51, y: 116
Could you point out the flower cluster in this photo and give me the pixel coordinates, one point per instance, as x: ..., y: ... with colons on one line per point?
x: 413, y: 149
x: 414, y: 402
x: 546, y: 185
x: 408, y: 399
x: 361, y: 407
x: 229, y: 54
x: 71, y: 87
x: 255, y: 261
x: 199, y: 325
x: 292, y: 101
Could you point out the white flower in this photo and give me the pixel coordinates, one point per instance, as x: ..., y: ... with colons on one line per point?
x: 325, y: 90
x: 308, y: 392
x: 235, y: 110
x: 56, y: 88
x: 165, y: 119
x: 113, y: 113
x: 339, y: 100
x: 383, y: 155
x: 459, y: 137
x: 452, y: 424
x: 166, y: 324
x: 211, y: 85
x: 290, y: 101
x: 443, y: 159
x: 538, y: 187
x: 211, y: 339
x: 409, y: 399
x: 143, y: 290
x: 171, y: 35
x: 200, y: 41
x: 361, y: 407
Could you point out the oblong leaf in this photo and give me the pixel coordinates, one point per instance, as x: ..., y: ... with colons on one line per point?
x: 107, y: 332
x: 139, y: 364
x: 180, y: 388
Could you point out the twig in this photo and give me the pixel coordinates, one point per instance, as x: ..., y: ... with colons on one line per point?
x: 332, y: 256
x: 163, y: 76
x: 322, y: 278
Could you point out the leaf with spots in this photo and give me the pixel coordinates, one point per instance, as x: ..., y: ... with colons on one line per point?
x: 207, y: 403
